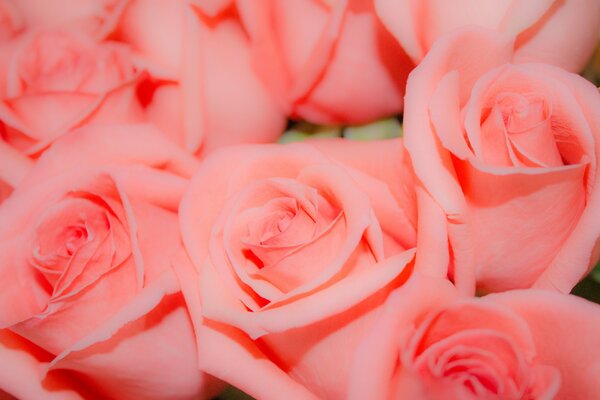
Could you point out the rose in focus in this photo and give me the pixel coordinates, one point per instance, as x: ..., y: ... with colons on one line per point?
x: 431, y: 343
x: 295, y: 246
x: 509, y: 152
x: 93, y: 307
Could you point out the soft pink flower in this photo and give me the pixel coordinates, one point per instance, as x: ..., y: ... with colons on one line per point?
x: 295, y: 247
x: 326, y: 61
x: 430, y: 343
x: 559, y: 32
x: 207, y: 94
x: 54, y: 81
x: 90, y: 304
x: 510, y: 153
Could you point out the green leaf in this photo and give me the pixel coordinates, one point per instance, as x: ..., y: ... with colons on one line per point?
x: 233, y: 393
x: 304, y: 130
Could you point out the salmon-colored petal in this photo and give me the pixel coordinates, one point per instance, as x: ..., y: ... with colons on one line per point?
x: 376, y: 359
x: 160, y: 49
x: 579, y: 252
x: 257, y: 18
x: 156, y: 315
x: 435, y: 169
x: 493, y: 214
x: 336, y: 298
x: 522, y: 14
x: 401, y: 19
x: 230, y: 355
x: 546, y: 42
x: 21, y: 373
x: 385, y: 160
x: 92, y: 146
x: 225, y: 86
x: 432, y: 258
x: 13, y: 166
x: 382, y: 60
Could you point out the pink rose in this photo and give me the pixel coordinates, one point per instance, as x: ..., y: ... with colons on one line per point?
x: 93, y: 308
x: 54, y: 81
x: 558, y: 32
x: 94, y: 17
x: 430, y: 343
x: 295, y: 250
x: 207, y: 95
x: 509, y: 152
x: 326, y: 61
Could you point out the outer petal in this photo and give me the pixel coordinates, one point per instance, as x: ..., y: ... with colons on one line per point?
x: 517, y: 210
x: 340, y: 96
x: 338, y: 297
x: 154, y: 327
x: 580, y: 251
x: 309, y: 67
x: 22, y: 369
x: 376, y: 359
x: 231, y: 356
x: 13, y: 165
x: 546, y: 41
x: 230, y: 87
x: 44, y: 117
x: 93, y: 146
x: 228, y: 353
x: 431, y: 161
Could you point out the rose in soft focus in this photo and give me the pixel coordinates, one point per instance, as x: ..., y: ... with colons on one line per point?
x: 510, y: 153
x: 53, y: 81
x: 326, y: 61
x: 94, y: 17
x: 206, y: 94
x: 431, y: 343
x: 558, y: 32
x: 295, y: 247
x: 91, y: 306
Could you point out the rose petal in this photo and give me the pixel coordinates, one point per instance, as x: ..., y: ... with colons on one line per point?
x: 20, y: 365
x: 439, y: 178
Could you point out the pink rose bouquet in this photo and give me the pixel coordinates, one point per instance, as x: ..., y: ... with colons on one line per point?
x: 436, y: 236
